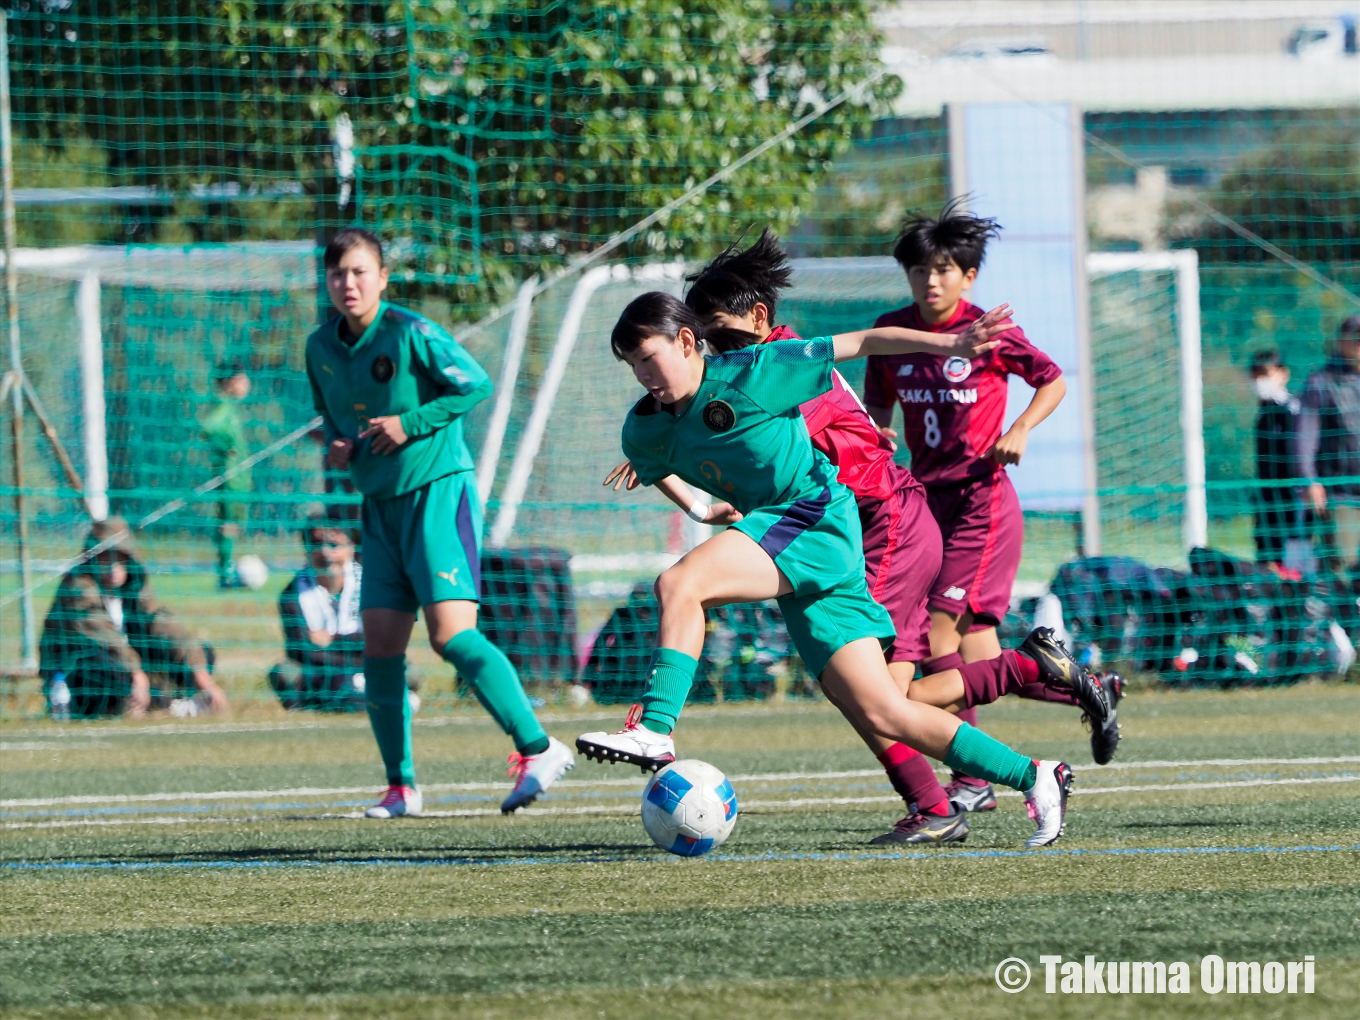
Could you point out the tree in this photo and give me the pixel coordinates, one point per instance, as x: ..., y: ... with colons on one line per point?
x: 493, y: 138
x: 1302, y: 193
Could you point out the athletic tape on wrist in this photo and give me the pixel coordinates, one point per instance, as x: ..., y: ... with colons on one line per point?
x: 698, y: 512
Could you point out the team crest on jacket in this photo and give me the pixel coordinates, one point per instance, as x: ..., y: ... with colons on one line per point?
x: 957, y: 369
x: 383, y: 369
x: 719, y: 416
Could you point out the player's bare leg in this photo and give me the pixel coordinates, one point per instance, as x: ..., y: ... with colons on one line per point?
x: 728, y: 568
x: 947, y: 633
x: 929, y: 819
x: 858, y: 680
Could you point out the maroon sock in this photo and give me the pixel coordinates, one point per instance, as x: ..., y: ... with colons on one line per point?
x: 914, y: 780
x: 992, y: 679
x: 1042, y: 692
x: 938, y: 665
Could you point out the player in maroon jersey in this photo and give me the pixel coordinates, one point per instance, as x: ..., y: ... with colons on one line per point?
x: 736, y: 295
x: 952, y: 417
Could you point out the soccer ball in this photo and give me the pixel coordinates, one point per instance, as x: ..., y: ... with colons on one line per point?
x: 688, y: 808
x: 252, y: 571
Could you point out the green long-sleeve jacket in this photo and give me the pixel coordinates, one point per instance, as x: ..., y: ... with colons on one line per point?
x: 78, y: 626
x: 227, y: 443
x: 404, y: 364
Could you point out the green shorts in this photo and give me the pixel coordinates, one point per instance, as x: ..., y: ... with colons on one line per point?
x: 423, y: 546
x: 823, y: 623
x: 817, y: 545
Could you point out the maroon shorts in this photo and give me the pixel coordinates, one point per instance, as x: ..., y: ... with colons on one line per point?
x: 901, y: 557
x: 984, y: 534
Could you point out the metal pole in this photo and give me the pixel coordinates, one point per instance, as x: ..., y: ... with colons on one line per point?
x: 1091, y: 539
x: 1196, y: 525
x: 29, y: 645
x: 92, y: 397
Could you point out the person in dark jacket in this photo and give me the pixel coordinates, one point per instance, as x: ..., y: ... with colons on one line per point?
x: 1329, y: 444
x: 107, y: 634
x: 323, y: 633
x: 1277, y: 416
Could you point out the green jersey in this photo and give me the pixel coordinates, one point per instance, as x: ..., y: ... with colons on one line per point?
x: 742, y: 437
x: 222, y: 430
x: 404, y: 364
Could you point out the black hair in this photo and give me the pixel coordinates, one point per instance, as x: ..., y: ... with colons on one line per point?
x: 735, y: 280
x: 722, y: 340
x: 1264, y: 361
x: 1350, y: 329
x: 322, y: 521
x: 227, y: 369
x: 649, y: 315
x: 954, y: 235
x: 351, y: 237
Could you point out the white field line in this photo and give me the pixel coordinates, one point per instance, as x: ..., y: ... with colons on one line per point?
x: 95, y: 730
x: 765, y: 777
x: 630, y: 808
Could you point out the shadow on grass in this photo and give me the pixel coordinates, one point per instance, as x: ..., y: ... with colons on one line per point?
x: 454, y: 854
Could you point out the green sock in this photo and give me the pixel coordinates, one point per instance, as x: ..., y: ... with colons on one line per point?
x: 226, y: 545
x: 494, y: 680
x: 974, y: 753
x: 668, y: 684
x: 389, y: 713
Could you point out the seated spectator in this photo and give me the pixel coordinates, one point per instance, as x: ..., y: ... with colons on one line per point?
x: 323, y: 634
x: 107, y: 634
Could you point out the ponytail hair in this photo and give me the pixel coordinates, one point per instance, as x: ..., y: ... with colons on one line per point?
x: 722, y: 340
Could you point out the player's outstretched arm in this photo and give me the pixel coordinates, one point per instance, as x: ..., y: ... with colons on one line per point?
x: 974, y: 340
x: 680, y: 494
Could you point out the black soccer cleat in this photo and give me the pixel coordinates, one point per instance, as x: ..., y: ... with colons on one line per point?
x: 1105, y: 737
x: 919, y: 828
x: 1057, y: 668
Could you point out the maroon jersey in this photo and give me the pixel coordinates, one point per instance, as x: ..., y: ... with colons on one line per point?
x: 841, y: 428
x: 952, y: 408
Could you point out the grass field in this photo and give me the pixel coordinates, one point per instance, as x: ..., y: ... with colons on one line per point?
x: 220, y: 871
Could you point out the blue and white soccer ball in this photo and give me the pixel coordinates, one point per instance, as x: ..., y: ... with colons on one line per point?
x: 689, y: 808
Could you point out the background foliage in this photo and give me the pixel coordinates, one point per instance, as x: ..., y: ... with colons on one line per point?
x: 493, y: 138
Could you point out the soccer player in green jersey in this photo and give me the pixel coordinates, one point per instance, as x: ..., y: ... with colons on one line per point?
x: 731, y: 425
x: 227, y: 445
x: 391, y: 387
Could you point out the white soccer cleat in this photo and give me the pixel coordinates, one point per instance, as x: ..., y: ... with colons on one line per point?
x: 634, y: 744
x: 399, y: 801
x: 1046, y: 801
x: 534, y: 773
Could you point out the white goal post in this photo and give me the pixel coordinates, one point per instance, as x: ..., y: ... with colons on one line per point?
x: 1184, y: 263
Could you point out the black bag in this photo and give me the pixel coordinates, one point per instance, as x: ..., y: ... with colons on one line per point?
x: 528, y: 610
x: 744, y: 647
x: 1250, y: 626
x: 616, y: 671
x: 1132, y: 612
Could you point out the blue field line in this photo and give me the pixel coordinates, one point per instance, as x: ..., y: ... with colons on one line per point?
x: 446, y: 862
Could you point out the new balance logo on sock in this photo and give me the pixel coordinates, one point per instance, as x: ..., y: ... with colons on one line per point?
x: 955, y: 592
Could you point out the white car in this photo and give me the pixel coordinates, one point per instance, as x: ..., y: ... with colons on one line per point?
x: 1324, y: 40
